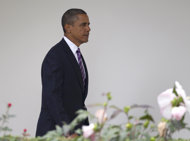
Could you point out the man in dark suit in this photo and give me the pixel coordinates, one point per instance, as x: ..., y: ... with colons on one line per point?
x: 64, y: 74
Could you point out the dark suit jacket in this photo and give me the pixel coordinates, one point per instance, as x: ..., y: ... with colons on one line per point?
x: 63, y: 92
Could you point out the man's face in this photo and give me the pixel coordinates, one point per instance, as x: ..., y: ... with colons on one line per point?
x: 79, y: 31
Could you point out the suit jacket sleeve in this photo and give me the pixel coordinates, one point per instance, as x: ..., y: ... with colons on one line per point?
x: 52, y: 85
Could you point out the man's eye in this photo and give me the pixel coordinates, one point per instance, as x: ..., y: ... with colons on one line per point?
x: 83, y: 24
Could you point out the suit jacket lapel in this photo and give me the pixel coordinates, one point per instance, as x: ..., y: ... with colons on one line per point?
x: 74, y: 63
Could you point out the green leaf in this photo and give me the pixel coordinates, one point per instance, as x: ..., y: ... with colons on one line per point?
x: 174, y: 90
x: 122, y: 135
x: 115, y: 113
x: 82, y: 115
x: 147, y: 117
x: 111, y: 132
x: 4, y: 116
x: 115, y: 107
x: 66, y: 129
x: 188, y: 128
x: 78, y: 131
x: 11, y: 116
x: 6, y: 128
x: 145, y: 106
x: 59, y: 130
x: 130, y: 117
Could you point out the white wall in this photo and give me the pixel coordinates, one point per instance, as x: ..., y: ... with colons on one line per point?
x: 136, y: 50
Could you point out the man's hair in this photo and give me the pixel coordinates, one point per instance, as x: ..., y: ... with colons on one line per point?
x: 70, y: 16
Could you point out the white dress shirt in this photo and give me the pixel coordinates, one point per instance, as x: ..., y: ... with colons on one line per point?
x: 72, y: 46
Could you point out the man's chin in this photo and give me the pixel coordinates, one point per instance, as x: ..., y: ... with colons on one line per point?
x: 85, y: 41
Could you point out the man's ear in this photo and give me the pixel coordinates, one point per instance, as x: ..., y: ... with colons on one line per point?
x: 68, y: 28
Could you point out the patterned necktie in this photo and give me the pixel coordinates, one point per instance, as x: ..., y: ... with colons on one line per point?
x: 81, y: 65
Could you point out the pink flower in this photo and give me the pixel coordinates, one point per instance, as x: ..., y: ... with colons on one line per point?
x: 181, y: 92
x: 164, y: 102
x: 9, y: 105
x: 179, y: 107
x: 178, y: 112
x: 88, y: 131
x: 25, y: 130
x: 25, y: 134
x: 101, y: 116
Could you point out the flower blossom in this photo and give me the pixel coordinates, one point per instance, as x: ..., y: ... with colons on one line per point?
x: 25, y: 134
x: 9, y: 105
x: 101, y: 116
x: 181, y: 92
x: 25, y: 130
x: 88, y: 131
x: 164, y: 102
x: 162, y: 129
x: 174, y: 106
x: 178, y: 112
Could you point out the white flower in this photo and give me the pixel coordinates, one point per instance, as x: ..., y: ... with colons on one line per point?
x: 178, y: 112
x: 101, y: 116
x: 165, y: 103
x: 88, y: 130
x: 181, y: 92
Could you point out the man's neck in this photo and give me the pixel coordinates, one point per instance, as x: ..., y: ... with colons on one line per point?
x: 71, y: 39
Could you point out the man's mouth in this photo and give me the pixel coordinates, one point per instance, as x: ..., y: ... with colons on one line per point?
x: 86, y: 34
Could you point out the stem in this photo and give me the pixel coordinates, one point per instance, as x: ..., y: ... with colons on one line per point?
x: 4, y: 120
x: 102, y: 120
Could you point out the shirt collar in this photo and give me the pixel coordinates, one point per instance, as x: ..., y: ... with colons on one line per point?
x: 72, y: 46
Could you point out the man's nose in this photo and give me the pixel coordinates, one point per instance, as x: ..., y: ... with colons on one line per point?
x: 88, y: 28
